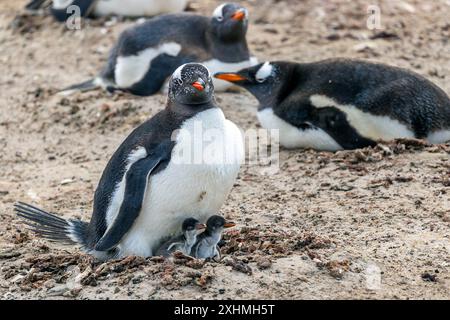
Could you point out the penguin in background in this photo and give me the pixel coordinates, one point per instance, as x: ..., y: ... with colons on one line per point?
x: 156, y: 178
x: 206, y: 246
x: 146, y: 54
x: 61, y: 9
x: 190, y: 229
x: 344, y: 104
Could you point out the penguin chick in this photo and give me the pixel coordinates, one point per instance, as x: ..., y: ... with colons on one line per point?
x: 190, y: 229
x: 344, y: 104
x: 146, y: 54
x: 154, y: 180
x: 64, y: 9
x: 206, y: 246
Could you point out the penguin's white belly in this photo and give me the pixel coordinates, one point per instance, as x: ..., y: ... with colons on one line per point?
x: 138, y: 8
x: 185, y: 189
x: 441, y: 136
x: 61, y: 4
x: 205, y: 250
x: 216, y: 66
x: 293, y: 137
x: 368, y: 125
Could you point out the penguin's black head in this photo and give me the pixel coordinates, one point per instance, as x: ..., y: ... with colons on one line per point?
x: 191, y: 84
x: 217, y: 224
x: 230, y: 22
x: 263, y: 80
x: 191, y: 225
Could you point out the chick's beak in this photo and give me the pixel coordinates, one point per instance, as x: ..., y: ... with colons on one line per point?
x: 200, y: 226
x: 199, y: 86
x: 238, y: 15
x: 229, y: 225
x: 231, y: 77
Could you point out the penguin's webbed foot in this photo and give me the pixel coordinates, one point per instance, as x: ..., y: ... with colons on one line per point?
x: 181, y: 255
x: 111, y: 90
x: 212, y: 259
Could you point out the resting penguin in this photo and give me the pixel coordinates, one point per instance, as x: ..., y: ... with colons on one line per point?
x: 190, y: 229
x: 345, y: 104
x: 147, y: 54
x: 62, y: 10
x: 181, y: 163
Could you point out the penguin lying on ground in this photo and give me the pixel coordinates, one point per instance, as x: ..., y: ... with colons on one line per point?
x: 345, y: 104
x: 190, y: 229
x: 61, y: 9
x: 181, y: 163
x: 206, y: 246
x: 147, y: 54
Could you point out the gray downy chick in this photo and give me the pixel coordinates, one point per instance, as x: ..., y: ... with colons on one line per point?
x: 206, y: 246
x: 191, y: 228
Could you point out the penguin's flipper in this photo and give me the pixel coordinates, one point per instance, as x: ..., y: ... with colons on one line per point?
x: 34, y: 5
x: 330, y: 119
x: 161, y: 69
x: 168, y: 246
x: 172, y: 246
x: 136, y: 182
x: 194, y: 250
x: 335, y: 123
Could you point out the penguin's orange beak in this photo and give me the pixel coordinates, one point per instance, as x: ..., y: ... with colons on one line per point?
x: 197, y: 85
x: 229, y: 225
x: 238, y: 15
x: 200, y: 226
x: 231, y: 77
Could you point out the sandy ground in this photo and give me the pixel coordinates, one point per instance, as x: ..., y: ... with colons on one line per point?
x: 366, y: 224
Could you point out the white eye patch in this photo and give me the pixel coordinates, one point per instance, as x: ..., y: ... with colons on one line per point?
x: 177, y: 73
x: 264, y: 72
x: 218, y: 13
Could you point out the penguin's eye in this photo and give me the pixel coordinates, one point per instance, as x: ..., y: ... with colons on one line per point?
x: 219, y: 18
x: 178, y: 81
x: 260, y: 80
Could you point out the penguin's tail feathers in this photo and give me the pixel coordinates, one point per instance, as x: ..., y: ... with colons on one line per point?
x: 52, y: 227
x: 85, y: 86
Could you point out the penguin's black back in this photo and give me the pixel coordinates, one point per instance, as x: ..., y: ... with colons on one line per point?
x: 186, y: 29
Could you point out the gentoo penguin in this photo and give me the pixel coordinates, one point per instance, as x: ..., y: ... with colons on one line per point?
x: 63, y: 9
x: 190, y: 230
x: 344, y: 104
x: 146, y: 55
x: 206, y: 246
x: 181, y: 163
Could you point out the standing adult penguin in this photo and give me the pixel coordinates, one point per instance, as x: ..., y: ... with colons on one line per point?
x: 63, y: 9
x: 147, y: 54
x: 181, y: 163
x: 345, y: 104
